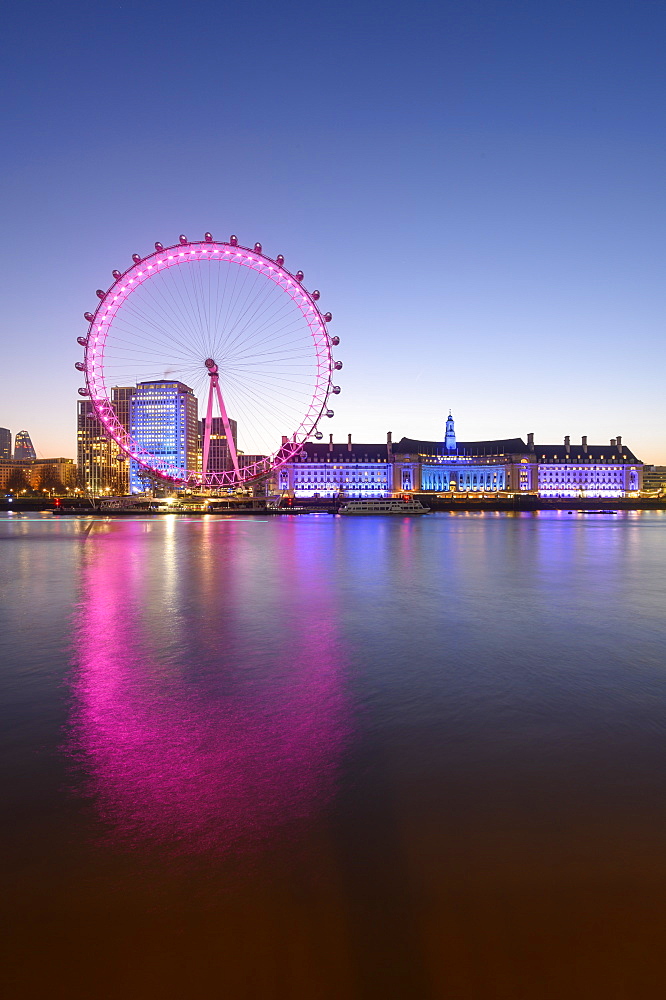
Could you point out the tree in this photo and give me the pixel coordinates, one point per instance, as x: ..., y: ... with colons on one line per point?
x: 18, y: 481
x: 50, y: 480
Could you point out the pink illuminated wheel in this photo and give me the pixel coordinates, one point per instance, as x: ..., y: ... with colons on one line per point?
x: 234, y: 326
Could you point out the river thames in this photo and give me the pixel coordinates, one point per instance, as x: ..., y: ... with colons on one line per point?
x: 325, y: 757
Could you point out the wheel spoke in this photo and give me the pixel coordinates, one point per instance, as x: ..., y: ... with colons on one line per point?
x: 177, y: 309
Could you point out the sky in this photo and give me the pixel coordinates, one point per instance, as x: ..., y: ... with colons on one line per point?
x: 476, y: 187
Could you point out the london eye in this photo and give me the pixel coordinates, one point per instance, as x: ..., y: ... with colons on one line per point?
x: 236, y: 327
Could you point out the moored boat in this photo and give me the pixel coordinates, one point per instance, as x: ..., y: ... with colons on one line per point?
x: 106, y: 507
x: 398, y: 507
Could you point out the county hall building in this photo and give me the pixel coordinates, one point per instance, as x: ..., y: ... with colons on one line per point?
x: 507, y: 465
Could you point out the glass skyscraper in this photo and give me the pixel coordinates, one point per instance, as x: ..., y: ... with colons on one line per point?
x: 164, y: 420
x: 23, y: 446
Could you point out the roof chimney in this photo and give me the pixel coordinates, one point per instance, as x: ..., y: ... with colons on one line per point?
x: 530, y: 442
x: 389, y: 442
x: 349, y: 442
x: 567, y: 444
x: 619, y: 441
x: 330, y: 442
x: 284, y: 439
x: 583, y: 441
x: 613, y: 442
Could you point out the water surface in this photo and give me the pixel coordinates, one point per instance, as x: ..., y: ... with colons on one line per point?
x: 334, y: 757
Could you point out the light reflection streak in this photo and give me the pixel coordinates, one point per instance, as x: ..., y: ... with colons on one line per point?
x: 200, y: 728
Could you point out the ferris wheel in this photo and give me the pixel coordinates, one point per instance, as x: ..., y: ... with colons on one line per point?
x: 233, y: 328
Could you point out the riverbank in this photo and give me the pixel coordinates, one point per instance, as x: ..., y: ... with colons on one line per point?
x: 527, y: 503
x: 457, y: 503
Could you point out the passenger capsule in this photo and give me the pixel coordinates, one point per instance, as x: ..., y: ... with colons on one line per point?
x: 233, y: 240
x: 330, y: 413
x: 316, y: 294
x: 116, y: 274
x: 136, y: 257
x: 183, y: 239
x: 257, y: 247
x: 319, y: 435
x: 208, y: 237
x: 328, y: 317
x: 100, y: 294
x: 335, y: 341
x: 299, y: 276
x: 89, y: 316
x: 158, y: 246
x: 83, y: 341
x: 337, y: 365
x: 280, y: 260
x: 335, y: 389
x: 80, y: 367
x: 84, y: 392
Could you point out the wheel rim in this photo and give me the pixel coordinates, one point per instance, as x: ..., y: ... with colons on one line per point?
x: 182, y: 306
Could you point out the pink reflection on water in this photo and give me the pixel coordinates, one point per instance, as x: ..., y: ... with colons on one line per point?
x: 200, y: 727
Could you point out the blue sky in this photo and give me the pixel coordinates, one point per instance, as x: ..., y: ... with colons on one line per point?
x: 476, y: 187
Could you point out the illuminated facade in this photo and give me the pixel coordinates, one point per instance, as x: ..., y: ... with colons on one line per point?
x: 5, y: 443
x: 504, y: 465
x: 463, y: 467
x: 509, y: 465
x: 327, y: 470
x: 23, y: 446
x: 103, y: 466
x: 584, y: 470
x: 164, y: 420
x: 38, y: 475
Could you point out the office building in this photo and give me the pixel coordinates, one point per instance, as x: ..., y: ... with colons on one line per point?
x: 121, y: 396
x: 219, y: 456
x: 40, y: 475
x: 164, y: 421
x: 103, y: 466
x: 5, y: 443
x: 23, y: 446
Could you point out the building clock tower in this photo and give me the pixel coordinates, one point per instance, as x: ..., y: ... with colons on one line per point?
x: 450, y: 439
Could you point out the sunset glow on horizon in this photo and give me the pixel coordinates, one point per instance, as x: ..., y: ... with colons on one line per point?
x: 476, y: 189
